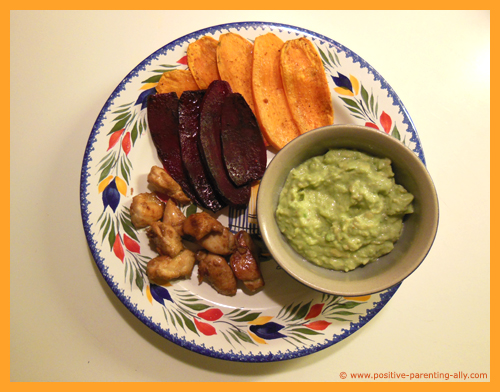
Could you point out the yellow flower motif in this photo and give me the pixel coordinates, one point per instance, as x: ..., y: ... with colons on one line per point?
x: 261, y: 320
x: 346, y: 85
x: 148, y: 295
x: 359, y: 299
x: 256, y: 338
x: 355, y: 84
x: 121, y: 185
x: 343, y: 91
x: 104, y: 183
x: 147, y: 86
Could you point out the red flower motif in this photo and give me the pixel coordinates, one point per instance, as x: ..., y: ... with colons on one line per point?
x: 371, y: 125
x: 314, y: 311
x: 130, y: 244
x: 319, y: 325
x: 118, y: 248
x: 126, y: 144
x: 204, y: 328
x: 386, y: 122
x: 211, y: 314
x: 183, y: 60
x: 115, y: 136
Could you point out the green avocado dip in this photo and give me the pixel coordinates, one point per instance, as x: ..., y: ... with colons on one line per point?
x: 342, y: 209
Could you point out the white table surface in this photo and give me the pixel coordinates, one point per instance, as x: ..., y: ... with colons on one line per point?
x: 67, y: 325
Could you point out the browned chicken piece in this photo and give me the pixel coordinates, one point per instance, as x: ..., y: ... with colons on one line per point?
x: 145, y: 209
x: 245, y: 262
x: 161, y: 182
x: 163, y: 269
x: 222, y: 244
x: 216, y: 271
x: 201, y: 224
x: 210, y: 233
x: 165, y: 239
x: 174, y: 216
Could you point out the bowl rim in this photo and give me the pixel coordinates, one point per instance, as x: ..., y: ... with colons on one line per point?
x: 268, y: 224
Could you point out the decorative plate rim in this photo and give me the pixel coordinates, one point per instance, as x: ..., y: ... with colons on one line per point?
x: 100, y: 261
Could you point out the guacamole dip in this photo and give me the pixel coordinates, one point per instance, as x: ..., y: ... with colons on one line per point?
x: 342, y: 209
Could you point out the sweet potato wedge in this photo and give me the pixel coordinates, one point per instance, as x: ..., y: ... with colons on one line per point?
x: 305, y: 84
x: 202, y: 61
x: 271, y: 106
x: 243, y: 146
x: 178, y: 81
x: 211, y: 145
x: 189, y: 127
x: 234, y: 61
x: 163, y: 123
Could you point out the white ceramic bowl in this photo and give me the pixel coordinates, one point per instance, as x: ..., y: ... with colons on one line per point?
x: 419, y: 228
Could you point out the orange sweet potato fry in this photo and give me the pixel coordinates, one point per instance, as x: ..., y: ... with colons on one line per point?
x: 271, y: 106
x: 178, y: 80
x: 305, y: 84
x: 202, y: 61
x: 234, y: 61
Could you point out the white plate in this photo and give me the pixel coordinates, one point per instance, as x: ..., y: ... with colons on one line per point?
x: 286, y: 319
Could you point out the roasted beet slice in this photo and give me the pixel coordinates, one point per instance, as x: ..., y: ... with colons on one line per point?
x: 211, y: 146
x: 189, y: 126
x: 243, y: 146
x: 163, y: 122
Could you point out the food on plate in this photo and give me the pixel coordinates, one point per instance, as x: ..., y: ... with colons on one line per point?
x: 236, y: 98
x: 200, y: 224
x: 245, y: 262
x: 178, y: 81
x: 243, y: 146
x: 219, y: 243
x: 209, y: 143
x: 202, y: 61
x: 305, y: 84
x: 174, y: 217
x: 161, y: 182
x: 283, y: 83
x: 234, y: 62
x: 342, y: 209
x: 210, y: 233
x: 145, y: 209
x: 163, y: 122
x: 165, y: 239
x: 163, y: 269
x: 271, y: 105
x: 211, y: 146
x: 215, y: 270
x: 189, y: 128
x: 171, y: 234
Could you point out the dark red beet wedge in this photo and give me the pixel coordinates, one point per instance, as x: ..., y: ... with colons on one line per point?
x: 189, y: 126
x: 211, y: 145
x: 163, y: 122
x: 243, y: 146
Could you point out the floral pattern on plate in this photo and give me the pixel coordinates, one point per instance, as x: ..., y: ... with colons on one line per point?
x: 285, y: 320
